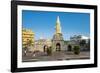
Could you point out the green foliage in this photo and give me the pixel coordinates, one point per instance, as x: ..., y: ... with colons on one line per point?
x: 49, y: 51
x: 66, y: 42
x: 82, y: 42
x: 76, y: 50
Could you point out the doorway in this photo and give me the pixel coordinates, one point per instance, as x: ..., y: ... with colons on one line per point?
x: 58, y: 47
x: 45, y: 48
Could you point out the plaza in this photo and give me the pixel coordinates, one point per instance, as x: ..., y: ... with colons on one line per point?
x: 56, y: 56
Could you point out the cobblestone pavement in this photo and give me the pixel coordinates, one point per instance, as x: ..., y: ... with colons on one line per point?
x: 62, y: 55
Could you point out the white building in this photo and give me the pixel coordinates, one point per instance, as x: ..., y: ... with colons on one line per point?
x: 77, y: 39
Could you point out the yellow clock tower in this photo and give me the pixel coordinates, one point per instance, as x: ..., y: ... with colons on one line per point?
x: 58, y: 27
x: 57, y: 41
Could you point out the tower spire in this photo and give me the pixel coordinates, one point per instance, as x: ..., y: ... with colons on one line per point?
x: 58, y: 21
x: 58, y: 27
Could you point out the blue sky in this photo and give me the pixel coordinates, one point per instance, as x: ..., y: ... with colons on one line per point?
x: 43, y: 23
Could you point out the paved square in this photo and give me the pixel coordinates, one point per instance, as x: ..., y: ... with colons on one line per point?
x: 62, y: 55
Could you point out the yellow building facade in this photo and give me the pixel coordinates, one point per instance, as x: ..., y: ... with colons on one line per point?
x: 27, y: 37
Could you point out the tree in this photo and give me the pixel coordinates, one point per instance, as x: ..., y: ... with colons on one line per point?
x: 66, y: 42
x: 76, y: 50
x: 82, y: 42
x: 49, y: 51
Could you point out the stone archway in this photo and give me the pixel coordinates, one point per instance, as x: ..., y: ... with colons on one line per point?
x: 45, y: 48
x: 58, y: 47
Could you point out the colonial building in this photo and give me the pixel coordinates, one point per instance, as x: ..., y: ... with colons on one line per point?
x: 27, y: 37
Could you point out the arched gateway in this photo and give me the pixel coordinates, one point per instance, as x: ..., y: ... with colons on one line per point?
x: 45, y: 48
x: 58, y: 47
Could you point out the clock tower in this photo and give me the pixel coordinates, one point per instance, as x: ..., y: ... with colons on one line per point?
x: 57, y: 41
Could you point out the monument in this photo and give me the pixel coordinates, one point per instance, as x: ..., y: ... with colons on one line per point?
x: 57, y: 41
